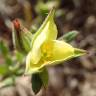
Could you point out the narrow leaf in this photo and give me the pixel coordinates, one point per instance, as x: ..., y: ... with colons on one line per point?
x: 68, y: 37
x: 3, y: 49
x: 7, y: 82
x: 36, y: 83
x: 5, y: 53
x: 44, y: 77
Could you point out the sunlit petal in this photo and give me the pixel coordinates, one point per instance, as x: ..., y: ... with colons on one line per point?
x: 53, y: 52
x: 47, y: 32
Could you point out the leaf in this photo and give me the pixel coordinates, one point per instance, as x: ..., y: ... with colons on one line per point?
x: 42, y: 8
x: 3, y: 69
x: 44, y: 77
x: 19, y: 72
x: 3, y: 49
x: 19, y: 56
x: 7, y: 82
x: 36, y: 83
x: 68, y: 37
x: 5, y: 52
x: 8, y: 60
x: 39, y: 79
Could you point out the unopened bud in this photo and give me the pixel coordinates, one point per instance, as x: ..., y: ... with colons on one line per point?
x: 21, y: 37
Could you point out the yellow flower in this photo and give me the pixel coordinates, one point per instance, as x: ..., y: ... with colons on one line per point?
x: 46, y: 50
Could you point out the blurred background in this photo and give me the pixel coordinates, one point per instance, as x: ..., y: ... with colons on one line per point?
x: 76, y: 77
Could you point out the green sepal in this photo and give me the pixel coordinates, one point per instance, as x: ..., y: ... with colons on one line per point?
x: 79, y: 52
x: 39, y: 80
x: 36, y: 83
x: 68, y: 37
x: 44, y: 77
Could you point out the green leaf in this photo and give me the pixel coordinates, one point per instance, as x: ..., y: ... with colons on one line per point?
x: 42, y: 8
x: 20, y: 72
x: 3, y: 69
x: 36, y: 83
x: 7, y: 82
x: 44, y: 77
x: 5, y: 53
x: 68, y: 37
x: 19, y: 56
x: 3, y: 49
x: 39, y: 80
x: 8, y: 60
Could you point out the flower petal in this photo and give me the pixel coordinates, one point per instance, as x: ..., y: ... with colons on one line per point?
x: 31, y: 67
x: 47, y: 32
x: 58, y: 51
x: 63, y: 51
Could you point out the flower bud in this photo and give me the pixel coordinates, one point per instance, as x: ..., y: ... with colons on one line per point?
x: 21, y: 37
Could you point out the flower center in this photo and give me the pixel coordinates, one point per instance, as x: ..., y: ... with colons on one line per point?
x: 46, y: 50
